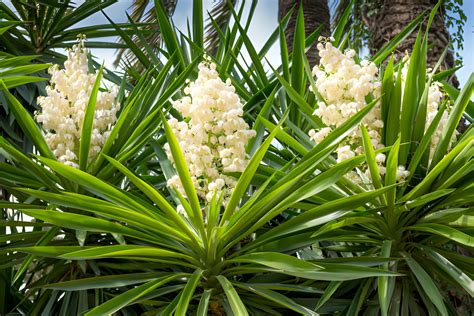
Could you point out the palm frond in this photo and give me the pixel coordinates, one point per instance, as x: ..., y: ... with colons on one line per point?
x: 144, y: 11
x: 359, y: 20
x: 221, y: 13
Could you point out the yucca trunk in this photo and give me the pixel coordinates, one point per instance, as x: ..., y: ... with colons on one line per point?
x: 316, y: 12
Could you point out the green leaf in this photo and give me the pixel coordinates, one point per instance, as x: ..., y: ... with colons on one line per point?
x: 188, y: 292
x: 81, y: 222
x: 130, y: 44
x: 284, y: 53
x: 284, y: 137
x: 446, y: 215
x: 87, y: 125
x: 457, y: 274
x: 427, y: 284
x: 359, y: 298
x: 26, y: 122
x: 464, y: 221
x: 259, y: 125
x: 156, y: 197
x: 317, y: 216
x: 330, y: 289
x: 387, y: 88
x: 256, y: 61
x: 453, y: 120
x: 370, y: 158
x: 445, y: 231
x: 277, y: 261
x: 116, y: 251
x: 428, y: 180
x: 21, y: 70
x: 411, y: 96
x: 277, y: 298
x: 333, y: 226
x: 382, y: 282
x: 131, y: 217
x: 424, y: 144
x: 298, y: 99
x: 28, y: 260
x: 342, y: 23
x: 236, y: 304
x: 6, y: 25
x: 198, y: 27
x: 307, y: 270
x: 246, y: 177
x: 12, y: 153
x: 102, y: 282
x: 392, y: 122
x: 297, y: 63
x: 168, y: 32
x: 425, y: 199
x: 97, y: 186
x: 127, y: 298
x: 391, y: 173
x: 10, y: 82
x: 185, y: 176
x: 454, y: 93
x: 204, y: 303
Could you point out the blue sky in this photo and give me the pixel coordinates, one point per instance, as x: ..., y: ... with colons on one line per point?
x: 263, y: 24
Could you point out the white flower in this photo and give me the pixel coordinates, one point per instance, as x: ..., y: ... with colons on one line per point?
x: 380, y: 158
x: 435, y: 97
x: 63, y: 108
x: 317, y: 137
x: 180, y: 209
x: 214, y: 136
x: 345, y: 86
x: 344, y: 153
x: 402, y: 174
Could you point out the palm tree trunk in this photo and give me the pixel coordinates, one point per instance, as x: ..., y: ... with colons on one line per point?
x: 316, y: 12
x: 394, y: 15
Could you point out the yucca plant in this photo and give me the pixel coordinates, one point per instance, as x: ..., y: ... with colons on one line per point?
x: 192, y: 263
x: 425, y: 223
x: 197, y: 255
x: 34, y: 32
x: 127, y: 143
x: 207, y: 247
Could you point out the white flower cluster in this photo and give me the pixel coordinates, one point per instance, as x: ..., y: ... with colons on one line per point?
x: 434, y: 100
x: 63, y: 109
x: 214, y: 135
x: 345, y: 85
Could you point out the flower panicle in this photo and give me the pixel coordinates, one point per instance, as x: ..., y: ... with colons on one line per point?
x: 345, y: 87
x: 214, y: 135
x: 64, y: 106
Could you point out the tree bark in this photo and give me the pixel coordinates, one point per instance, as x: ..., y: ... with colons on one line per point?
x: 394, y: 15
x: 316, y: 12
